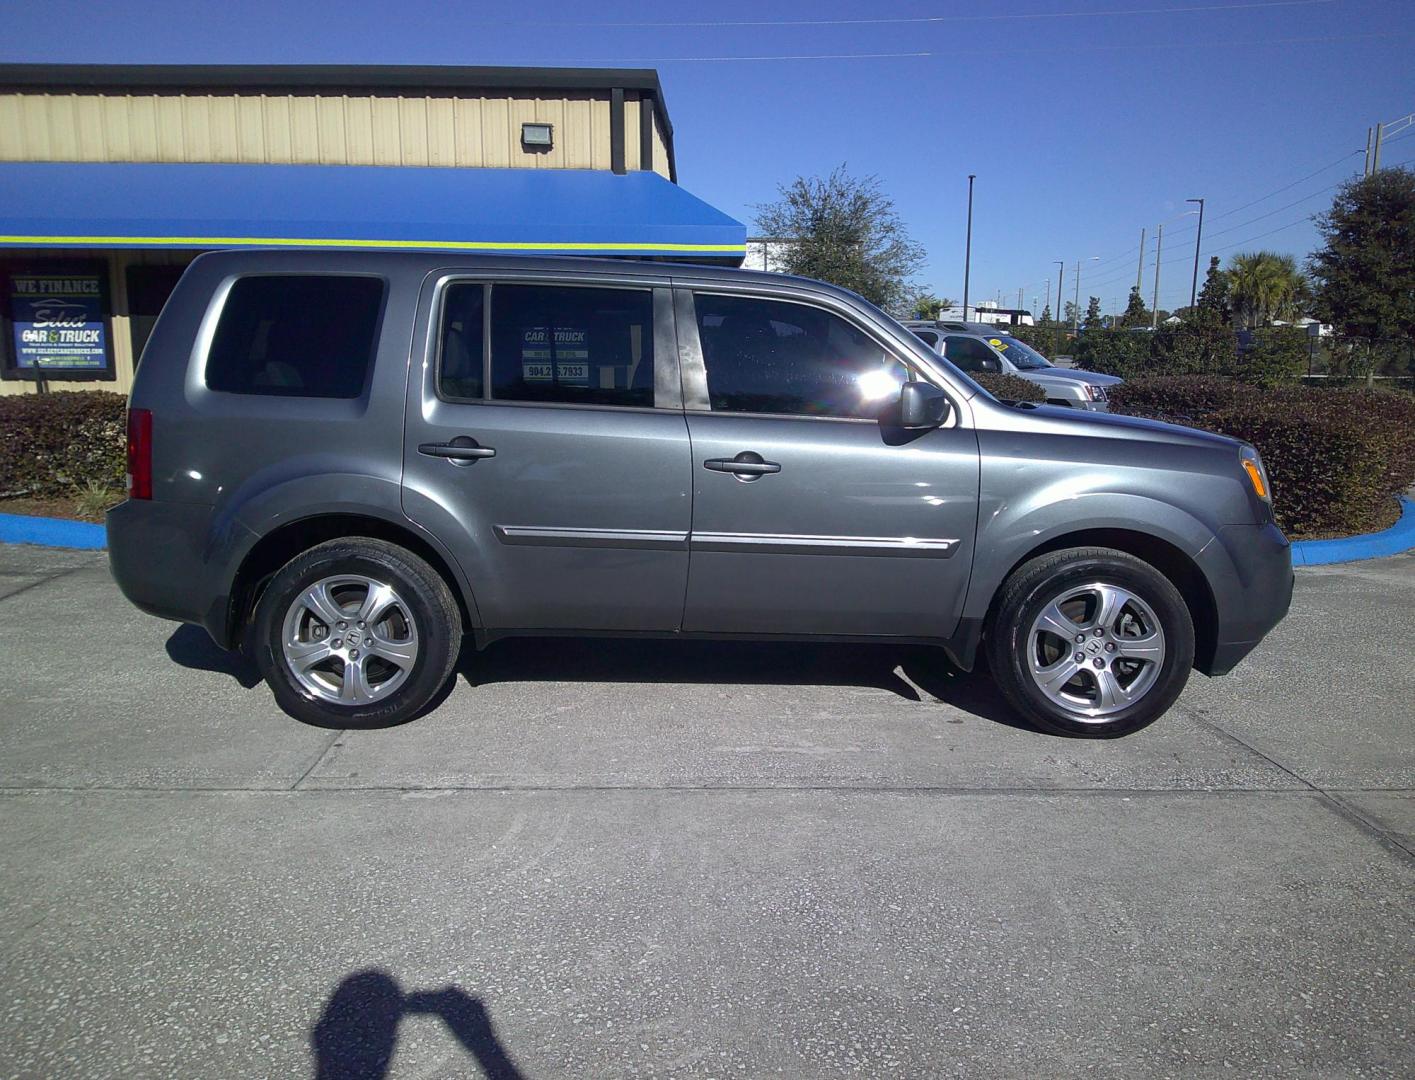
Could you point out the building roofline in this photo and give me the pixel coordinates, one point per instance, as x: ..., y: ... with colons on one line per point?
x: 308, y: 78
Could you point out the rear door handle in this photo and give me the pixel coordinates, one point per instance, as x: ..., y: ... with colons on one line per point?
x: 462, y: 449
x: 746, y: 465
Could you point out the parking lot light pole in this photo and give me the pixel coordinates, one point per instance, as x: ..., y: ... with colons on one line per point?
x: 968, y: 247
x: 1198, y: 239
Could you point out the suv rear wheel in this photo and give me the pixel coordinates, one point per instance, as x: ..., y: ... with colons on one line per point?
x: 1090, y: 642
x: 356, y: 633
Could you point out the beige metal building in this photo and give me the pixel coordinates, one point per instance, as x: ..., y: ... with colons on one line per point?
x: 113, y: 278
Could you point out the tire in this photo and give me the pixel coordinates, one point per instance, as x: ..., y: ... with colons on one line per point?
x: 373, y: 672
x: 1136, y: 642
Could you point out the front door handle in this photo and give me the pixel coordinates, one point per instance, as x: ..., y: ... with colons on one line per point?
x: 748, y: 465
x: 462, y: 450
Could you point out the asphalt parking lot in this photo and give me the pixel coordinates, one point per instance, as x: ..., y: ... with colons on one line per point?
x: 678, y: 859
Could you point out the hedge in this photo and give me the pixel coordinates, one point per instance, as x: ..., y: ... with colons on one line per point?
x: 1006, y: 387
x: 1336, y: 457
x: 57, y: 444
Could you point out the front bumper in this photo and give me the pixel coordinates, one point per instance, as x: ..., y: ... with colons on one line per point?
x: 1249, y: 568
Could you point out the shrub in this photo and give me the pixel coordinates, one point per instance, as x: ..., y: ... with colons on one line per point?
x: 1043, y: 339
x: 1009, y: 387
x: 1114, y: 352
x: 57, y: 444
x: 1278, y: 355
x: 1336, y: 458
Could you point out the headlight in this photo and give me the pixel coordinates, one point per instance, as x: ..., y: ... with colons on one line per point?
x: 1096, y: 393
x: 1257, y: 475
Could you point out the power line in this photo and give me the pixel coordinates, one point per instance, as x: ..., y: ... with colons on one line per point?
x: 926, y: 53
x: 911, y: 20
x: 1280, y: 209
x: 1288, y: 187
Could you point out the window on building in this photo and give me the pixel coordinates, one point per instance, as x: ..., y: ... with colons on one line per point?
x: 770, y: 356
x: 561, y: 343
x: 296, y: 335
x: 463, y: 345
x: 148, y: 290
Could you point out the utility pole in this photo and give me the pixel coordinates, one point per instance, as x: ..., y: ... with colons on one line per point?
x: 1194, y: 287
x: 1140, y: 270
x: 1376, y: 150
x: 1366, y: 168
x: 968, y: 249
x: 1061, y: 270
x: 1048, y: 294
x: 1076, y: 304
x: 1159, y: 248
x: 1019, y: 299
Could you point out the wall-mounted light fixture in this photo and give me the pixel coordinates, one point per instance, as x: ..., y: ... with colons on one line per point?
x: 537, y: 136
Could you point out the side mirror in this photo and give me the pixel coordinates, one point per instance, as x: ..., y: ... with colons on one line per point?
x: 990, y: 363
x: 922, y: 405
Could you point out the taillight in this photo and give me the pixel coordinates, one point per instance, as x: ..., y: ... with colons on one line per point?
x: 139, y: 454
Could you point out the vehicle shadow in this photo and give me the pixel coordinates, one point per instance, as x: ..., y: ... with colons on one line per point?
x: 912, y: 672
x: 915, y: 673
x: 192, y: 647
x: 357, y: 1032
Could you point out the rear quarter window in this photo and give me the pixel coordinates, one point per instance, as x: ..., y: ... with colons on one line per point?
x: 296, y: 336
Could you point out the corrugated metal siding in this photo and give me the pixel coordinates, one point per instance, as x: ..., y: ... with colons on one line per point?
x: 480, y: 131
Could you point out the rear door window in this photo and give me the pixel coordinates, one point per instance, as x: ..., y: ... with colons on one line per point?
x: 296, y: 336
x: 970, y: 354
x: 572, y: 345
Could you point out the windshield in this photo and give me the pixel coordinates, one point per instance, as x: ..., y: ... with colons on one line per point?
x: 1022, y: 355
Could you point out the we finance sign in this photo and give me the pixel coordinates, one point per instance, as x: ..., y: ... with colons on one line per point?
x: 59, y: 321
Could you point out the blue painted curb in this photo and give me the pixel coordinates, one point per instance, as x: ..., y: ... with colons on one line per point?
x: 1398, y: 538
x: 52, y: 532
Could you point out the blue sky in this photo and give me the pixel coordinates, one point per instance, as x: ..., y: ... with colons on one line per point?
x: 1081, y: 128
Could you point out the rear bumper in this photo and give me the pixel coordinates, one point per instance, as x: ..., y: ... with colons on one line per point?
x: 1250, y: 571
x: 158, y: 555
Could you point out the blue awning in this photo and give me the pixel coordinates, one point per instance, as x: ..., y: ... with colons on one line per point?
x: 535, y: 211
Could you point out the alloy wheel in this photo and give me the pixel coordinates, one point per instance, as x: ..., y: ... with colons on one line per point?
x: 1095, y: 649
x: 349, y: 639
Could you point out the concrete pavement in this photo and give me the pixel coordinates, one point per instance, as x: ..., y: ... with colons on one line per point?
x: 687, y: 859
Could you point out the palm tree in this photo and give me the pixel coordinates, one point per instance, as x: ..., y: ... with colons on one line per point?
x: 1264, y: 286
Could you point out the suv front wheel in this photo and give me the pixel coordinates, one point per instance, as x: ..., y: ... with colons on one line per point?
x: 356, y: 633
x: 1090, y: 642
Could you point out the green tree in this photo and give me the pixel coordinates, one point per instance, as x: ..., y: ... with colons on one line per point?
x: 845, y: 230
x: 1213, y: 297
x: 1365, y: 275
x: 1046, y: 316
x: 1263, y: 286
x: 1136, y: 313
x: 926, y: 305
x: 1068, y: 314
x: 1092, y: 320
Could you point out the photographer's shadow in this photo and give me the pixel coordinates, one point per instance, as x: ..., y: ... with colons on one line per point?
x: 357, y: 1032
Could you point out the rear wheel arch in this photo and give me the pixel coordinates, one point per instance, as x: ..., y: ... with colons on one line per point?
x: 1181, y: 570
x: 280, y: 545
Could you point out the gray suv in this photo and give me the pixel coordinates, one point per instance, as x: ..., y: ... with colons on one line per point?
x: 1008, y: 355
x: 345, y: 462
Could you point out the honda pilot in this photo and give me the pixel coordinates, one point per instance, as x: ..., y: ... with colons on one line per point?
x: 346, y: 463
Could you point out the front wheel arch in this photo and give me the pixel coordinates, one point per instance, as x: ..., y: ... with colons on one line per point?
x: 1183, y: 573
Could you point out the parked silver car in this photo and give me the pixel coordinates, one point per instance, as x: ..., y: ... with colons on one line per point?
x: 1011, y: 356
x: 343, y: 462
